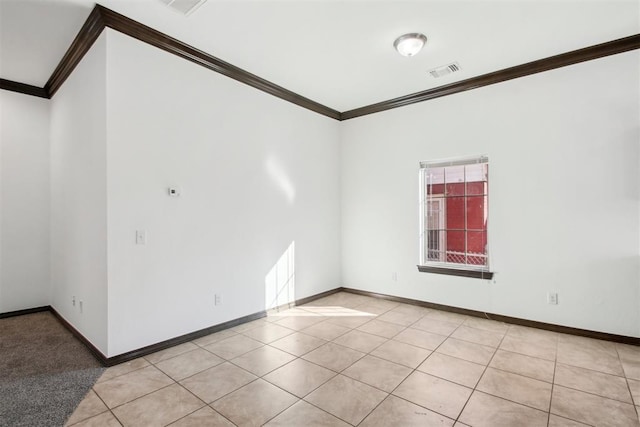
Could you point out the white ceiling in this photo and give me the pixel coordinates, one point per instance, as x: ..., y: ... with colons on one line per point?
x: 338, y: 53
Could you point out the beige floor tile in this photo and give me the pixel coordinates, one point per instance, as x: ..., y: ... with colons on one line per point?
x: 215, y: 382
x: 634, y: 386
x: 106, y: 419
x: 346, y: 398
x: 326, y: 331
x: 419, y: 338
x: 233, y: 347
x: 433, y: 393
x: 531, y: 367
x: 254, y: 404
x: 268, y: 333
x: 333, y: 356
x: 478, y: 336
x: 123, y: 368
x: 542, y: 350
x: 381, y: 303
x: 89, y: 407
x: 398, y: 412
x: 411, y: 309
x: 591, y: 409
x: 248, y: 326
x: 483, y: 410
x: 536, y: 336
x: 404, y: 354
x: 590, y: 355
x: 466, y: 350
x: 300, y: 377
x: 383, y: 329
x: 360, y: 341
x: 203, y: 417
x: 304, y: 414
x: 487, y: 325
x: 158, y: 408
x: 127, y: 387
x: 298, y: 343
x: 170, y: 352
x: 263, y: 360
x: 446, y: 316
x: 351, y: 321
x: 373, y: 309
x: 215, y: 337
x: 605, y: 385
x: 189, y: 363
x: 378, y: 373
x: 299, y: 322
x: 630, y: 358
x: 452, y: 369
x: 517, y: 388
x: 556, y: 421
x: 435, y: 326
x: 399, y: 318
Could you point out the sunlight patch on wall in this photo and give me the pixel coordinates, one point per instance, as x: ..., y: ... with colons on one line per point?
x: 279, y: 283
x: 280, y: 178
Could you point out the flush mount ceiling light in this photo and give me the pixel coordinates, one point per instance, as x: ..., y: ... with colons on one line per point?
x: 410, y: 44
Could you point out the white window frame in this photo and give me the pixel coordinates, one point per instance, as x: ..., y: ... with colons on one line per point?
x: 443, y: 267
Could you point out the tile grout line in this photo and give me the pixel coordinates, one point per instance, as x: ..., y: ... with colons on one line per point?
x: 633, y: 402
x: 553, y: 382
x: 411, y: 373
x: 481, y: 375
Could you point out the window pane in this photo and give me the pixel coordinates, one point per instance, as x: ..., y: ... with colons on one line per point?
x: 476, y: 247
x: 476, y: 177
x: 456, y: 189
x: 455, y: 213
x: 434, y: 250
x: 454, y: 174
x: 437, y: 189
x: 476, y: 213
x: 435, y: 214
x: 455, y: 247
x: 476, y: 188
x: 434, y: 180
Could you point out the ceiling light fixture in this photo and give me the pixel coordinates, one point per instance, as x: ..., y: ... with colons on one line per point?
x: 410, y: 44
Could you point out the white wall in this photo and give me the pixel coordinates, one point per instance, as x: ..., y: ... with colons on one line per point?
x: 564, y: 195
x: 79, y: 196
x: 257, y: 174
x: 24, y: 202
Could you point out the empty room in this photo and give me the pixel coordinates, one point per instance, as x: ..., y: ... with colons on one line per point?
x: 319, y: 213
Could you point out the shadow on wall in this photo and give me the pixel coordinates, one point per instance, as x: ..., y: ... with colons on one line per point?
x: 280, y: 281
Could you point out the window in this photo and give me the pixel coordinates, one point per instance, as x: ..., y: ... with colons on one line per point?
x: 454, y: 207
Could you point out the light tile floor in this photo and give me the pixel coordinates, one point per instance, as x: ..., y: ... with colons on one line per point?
x: 348, y: 359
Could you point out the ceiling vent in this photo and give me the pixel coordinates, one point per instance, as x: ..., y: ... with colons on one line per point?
x: 185, y: 7
x: 445, y: 70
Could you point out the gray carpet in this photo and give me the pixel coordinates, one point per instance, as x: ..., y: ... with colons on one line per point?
x: 44, y: 371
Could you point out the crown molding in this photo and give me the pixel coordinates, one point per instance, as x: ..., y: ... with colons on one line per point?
x: 534, y: 67
x: 87, y: 35
x: 162, y: 41
x: 101, y: 18
x: 23, y: 88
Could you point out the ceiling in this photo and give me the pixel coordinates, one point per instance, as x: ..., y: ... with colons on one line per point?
x: 338, y: 53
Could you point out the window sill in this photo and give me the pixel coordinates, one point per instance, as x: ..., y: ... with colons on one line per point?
x: 456, y: 272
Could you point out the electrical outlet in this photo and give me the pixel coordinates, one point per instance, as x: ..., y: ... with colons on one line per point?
x: 394, y: 276
x: 552, y: 298
x: 141, y: 237
x: 81, y: 307
x: 217, y: 299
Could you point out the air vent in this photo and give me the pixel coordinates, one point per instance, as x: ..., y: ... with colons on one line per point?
x: 186, y: 7
x: 445, y: 70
